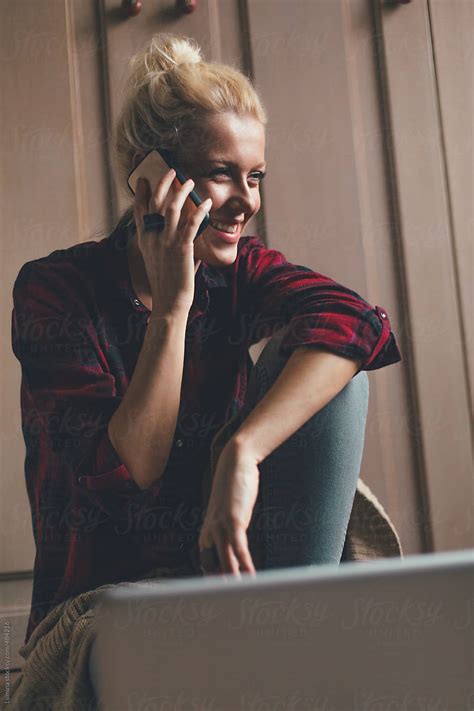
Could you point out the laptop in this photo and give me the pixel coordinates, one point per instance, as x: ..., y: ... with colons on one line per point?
x: 371, y: 635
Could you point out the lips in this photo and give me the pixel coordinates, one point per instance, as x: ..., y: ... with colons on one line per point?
x: 225, y: 226
x: 230, y: 237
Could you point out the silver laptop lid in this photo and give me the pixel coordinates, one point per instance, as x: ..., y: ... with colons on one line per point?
x: 377, y: 635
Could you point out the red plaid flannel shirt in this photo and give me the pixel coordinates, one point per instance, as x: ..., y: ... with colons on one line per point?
x: 77, y: 331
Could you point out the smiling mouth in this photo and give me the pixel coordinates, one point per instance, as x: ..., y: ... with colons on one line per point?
x: 221, y: 236
x: 228, y: 228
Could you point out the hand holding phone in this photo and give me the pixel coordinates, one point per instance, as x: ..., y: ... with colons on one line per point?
x: 168, y: 255
x: 153, y: 167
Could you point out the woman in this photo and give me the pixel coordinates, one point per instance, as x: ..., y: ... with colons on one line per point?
x: 134, y: 354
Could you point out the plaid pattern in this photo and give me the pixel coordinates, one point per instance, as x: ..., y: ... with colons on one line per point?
x: 77, y: 331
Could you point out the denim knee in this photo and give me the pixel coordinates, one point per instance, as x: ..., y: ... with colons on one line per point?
x: 354, y: 394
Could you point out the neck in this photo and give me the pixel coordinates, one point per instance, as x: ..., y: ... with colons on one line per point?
x: 138, y: 275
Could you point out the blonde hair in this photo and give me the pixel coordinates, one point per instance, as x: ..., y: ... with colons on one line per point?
x: 170, y: 90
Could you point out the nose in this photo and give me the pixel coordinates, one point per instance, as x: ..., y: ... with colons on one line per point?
x: 243, y: 197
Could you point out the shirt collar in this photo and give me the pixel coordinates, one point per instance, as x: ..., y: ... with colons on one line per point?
x: 213, y: 277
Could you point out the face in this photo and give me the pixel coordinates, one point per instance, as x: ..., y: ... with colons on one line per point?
x: 227, y: 166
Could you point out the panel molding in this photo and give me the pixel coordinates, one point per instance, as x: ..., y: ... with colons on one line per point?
x: 369, y: 119
x: 404, y: 335
x: 258, y: 223
x: 438, y: 384
x: 455, y: 96
x: 215, y: 32
x: 77, y: 133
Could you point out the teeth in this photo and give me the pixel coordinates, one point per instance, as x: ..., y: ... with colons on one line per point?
x: 232, y: 229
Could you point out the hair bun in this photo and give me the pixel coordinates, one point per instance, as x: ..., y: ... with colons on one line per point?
x: 163, y: 53
x: 166, y: 51
x: 185, y: 53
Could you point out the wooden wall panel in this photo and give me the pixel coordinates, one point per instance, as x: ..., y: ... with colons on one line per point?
x: 452, y: 28
x: 88, y: 61
x: 422, y: 185
x: 39, y: 214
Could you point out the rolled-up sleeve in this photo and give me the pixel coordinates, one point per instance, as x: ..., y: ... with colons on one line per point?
x: 269, y: 292
x: 68, y: 396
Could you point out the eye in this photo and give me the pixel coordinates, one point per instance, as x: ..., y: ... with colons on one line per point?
x: 219, y: 171
x: 259, y: 175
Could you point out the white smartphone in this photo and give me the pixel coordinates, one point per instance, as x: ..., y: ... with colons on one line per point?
x: 153, y: 167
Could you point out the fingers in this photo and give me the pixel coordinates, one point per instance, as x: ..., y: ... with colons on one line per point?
x: 173, y: 209
x: 169, y: 203
x: 229, y: 561
x: 241, y: 549
x: 146, y: 200
x: 196, y: 219
x: 159, y: 195
x: 234, y: 555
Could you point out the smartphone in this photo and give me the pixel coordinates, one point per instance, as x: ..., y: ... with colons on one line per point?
x: 153, y: 167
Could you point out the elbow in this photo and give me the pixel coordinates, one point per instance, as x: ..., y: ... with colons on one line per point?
x: 146, y: 477
x: 145, y: 471
x: 146, y: 481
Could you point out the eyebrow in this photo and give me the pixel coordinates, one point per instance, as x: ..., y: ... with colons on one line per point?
x: 262, y: 165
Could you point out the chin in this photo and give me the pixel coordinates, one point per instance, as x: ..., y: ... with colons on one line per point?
x: 216, y: 255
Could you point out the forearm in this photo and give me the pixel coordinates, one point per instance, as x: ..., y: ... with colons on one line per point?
x: 143, y: 426
x: 309, y: 380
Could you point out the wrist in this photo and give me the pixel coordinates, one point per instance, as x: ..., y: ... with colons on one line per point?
x: 176, y: 315
x: 242, y: 446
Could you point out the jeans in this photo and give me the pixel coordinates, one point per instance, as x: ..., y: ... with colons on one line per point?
x: 307, y: 484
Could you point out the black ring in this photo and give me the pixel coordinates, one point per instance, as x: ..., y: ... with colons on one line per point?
x: 209, y: 560
x: 153, y: 222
